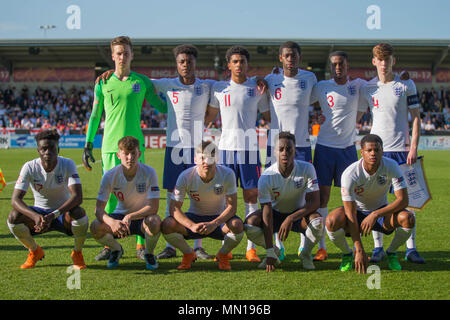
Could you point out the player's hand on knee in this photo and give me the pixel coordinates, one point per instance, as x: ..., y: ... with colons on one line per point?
x: 367, y: 224
x: 88, y: 155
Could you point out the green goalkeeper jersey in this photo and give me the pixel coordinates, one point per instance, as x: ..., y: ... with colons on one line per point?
x: 122, y: 102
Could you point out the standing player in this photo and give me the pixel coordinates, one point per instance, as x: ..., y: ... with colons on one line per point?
x: 365, y: 185
x: 239, y: 101
x: 57, y: 195
x: 187, y: 98
x: 289, y: 197
x: 342, y: 106
x: 136, y: 187
x: 290, y: 95
x: 212, y: 211
x: 390, y: 98
x: 122, y: 98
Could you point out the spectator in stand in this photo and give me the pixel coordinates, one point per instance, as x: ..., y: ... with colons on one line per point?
x: 429, y: 126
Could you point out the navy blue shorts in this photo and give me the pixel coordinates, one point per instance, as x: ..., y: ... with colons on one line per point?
x: 216, y: 234
x: 135, y: 225
x: 278, y: 219
x: 330, y: 163
x: 301, y: 153
x: 245, y: 164
x: 378, y: 226
x: 56, y: 225
x: 176, y: 160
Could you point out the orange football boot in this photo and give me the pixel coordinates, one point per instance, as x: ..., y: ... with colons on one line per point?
x: 78, y: 260
x: 188, y: 258
x: 33, y: 257
x: 224, y: 261
x: 321, y: 255
x: 252, y: 256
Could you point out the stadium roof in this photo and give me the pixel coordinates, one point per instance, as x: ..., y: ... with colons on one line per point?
x: 264, y: 52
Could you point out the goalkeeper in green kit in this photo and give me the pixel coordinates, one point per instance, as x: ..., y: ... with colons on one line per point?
x: 122, y: 98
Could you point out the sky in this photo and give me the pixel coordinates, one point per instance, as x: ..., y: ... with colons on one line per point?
x: 227, y: 19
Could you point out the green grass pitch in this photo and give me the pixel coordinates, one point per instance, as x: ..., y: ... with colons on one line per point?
x: 48, y: 280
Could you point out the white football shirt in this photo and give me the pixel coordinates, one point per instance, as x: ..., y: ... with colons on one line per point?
x: 289, y: 105
x: 206, y: 199
x: 390, y: 103
x: 186, y: 106
x: 50, y: 189
x: 370, y: 192
x: 131, y: 195
x: 339, y: 104
x: 239, y: 105
x: 287, y: 194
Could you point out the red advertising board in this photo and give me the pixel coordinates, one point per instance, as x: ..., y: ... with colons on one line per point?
x: 42, y: 74
x: 443, y: 75
x: 155, y: 141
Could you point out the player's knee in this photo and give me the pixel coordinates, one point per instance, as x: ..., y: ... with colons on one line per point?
x: 153, y: 223
x: 94, y: 228
x: 250, y: 195
x: 236, y: 226
x: 13, y: 217
x: 406, y: 219
x: 77, y: 213
x: 168, y: 225
x: 333, y: 222
x: 254, y: 219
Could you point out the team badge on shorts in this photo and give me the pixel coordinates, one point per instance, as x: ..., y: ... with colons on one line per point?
x: 351, y: 90
x: 198, y: 90
x: 251, y: 92
x: 136, y: 87
x: 302, y: 84
x: 141, y: 187
x: 218, y: 189
x: 381, y: 180
x: 398, y: 91
x: 59, y: 178
x: 298, y: 182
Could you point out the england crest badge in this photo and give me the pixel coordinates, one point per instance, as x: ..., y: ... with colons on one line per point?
x: 141, y: 187
x: 136, y: 87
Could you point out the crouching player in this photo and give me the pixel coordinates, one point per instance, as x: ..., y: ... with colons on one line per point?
x: 289, y: 197
x: 212, y: 212
x: 57, y: 195
x: 365, y: 185
x: 136, y: 187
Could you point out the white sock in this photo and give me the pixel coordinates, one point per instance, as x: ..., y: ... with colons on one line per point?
x: 23, y: 234
x: 324, y: 213
x: 79, y: 230
x: 151, y: 241
x: 109, y: 241
x: 249, y: 209
x: 338, y: 238
x: 278, y: 242
x: 400, y: 237
x: 167, y: 214
x: 255, y: 234
x: 231, y: 241
x: 411, y: 242
x: 302, y: 242
x: 177, y: 240
x: 377, y: 239
x: 198, y: 243
x: 313, y: 233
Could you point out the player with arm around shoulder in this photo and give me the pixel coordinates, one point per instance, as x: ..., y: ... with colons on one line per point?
x: 212, y: 213
x: 289, y: 197
x: 57, y: 195
x: 365, y: 185
x: 136, y: 187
